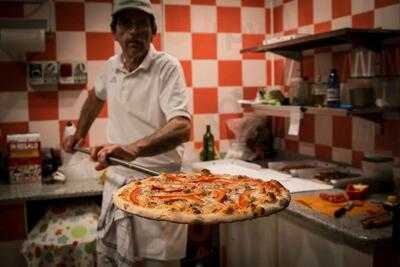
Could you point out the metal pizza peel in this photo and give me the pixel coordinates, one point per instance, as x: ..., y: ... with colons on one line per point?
x: 124, y: 163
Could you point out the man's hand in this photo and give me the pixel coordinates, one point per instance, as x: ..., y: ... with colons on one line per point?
x: 70, y: 142
x: 101, y: 154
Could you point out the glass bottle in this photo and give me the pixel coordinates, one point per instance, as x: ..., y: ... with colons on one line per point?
x: 208, y: 152
x: 333, y: 91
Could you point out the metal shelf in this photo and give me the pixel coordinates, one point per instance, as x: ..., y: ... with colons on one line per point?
x: 285, y: 111
x: 372, y: 39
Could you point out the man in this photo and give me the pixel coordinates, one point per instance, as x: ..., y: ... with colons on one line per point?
x: 148, y: 120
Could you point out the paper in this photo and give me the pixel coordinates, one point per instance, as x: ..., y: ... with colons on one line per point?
x: 294, y: 125
x: 23, y: 40
x: 238, y: 167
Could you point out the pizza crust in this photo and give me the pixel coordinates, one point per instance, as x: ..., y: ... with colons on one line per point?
x: 282, y: 201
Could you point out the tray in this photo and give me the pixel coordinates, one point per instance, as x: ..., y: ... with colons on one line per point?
x: 293, y: 167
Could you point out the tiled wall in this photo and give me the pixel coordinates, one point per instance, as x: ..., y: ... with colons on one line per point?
x: 342, y: 139
x: 205, y: 35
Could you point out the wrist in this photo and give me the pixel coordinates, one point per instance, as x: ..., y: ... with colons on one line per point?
x: 77, y: 136
x: 132, y: 150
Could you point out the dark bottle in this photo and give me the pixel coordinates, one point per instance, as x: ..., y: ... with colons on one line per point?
x: 333, y: 91
x: 208, y: 145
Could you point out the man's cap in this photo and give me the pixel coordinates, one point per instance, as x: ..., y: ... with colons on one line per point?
x: 143, y: 5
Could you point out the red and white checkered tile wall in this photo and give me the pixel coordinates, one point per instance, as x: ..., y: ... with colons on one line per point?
x: 206, y: 36
x: 342, y: 139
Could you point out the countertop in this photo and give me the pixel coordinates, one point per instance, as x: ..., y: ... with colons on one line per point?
x: 71, y: 188
x: 347, y: 230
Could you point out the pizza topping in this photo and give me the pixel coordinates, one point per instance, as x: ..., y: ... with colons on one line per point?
x: 195, y: 209
x: 259, y: 211
x: 271, y: 198
x: 244, y: 200
x: 205, y: 172
x: 135, y: 195
x: 229, y: 210
x: 170, y: 189
x: 219, y: 195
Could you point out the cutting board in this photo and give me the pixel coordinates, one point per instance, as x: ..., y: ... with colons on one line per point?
x: 322, y: 206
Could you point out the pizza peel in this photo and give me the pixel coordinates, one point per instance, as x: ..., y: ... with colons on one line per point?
x: 124, y: 163
x: 132, y: 166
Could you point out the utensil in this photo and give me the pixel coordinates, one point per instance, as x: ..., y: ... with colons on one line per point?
x: 123, y: 163
x: 341, y: 211
x: 376, y: 221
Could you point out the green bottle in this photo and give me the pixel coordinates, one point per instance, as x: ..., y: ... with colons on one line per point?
x: 208, y: 145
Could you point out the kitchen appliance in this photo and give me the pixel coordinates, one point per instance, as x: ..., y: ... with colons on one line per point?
x: 362, y: 97
x: 377, y: 166
x: 387, y: 91
x: 300, y: 92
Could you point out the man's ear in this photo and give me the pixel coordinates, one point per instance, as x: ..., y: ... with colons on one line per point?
x: 114, y: 36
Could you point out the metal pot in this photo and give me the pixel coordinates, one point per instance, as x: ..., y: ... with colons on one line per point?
x: 362, y: 97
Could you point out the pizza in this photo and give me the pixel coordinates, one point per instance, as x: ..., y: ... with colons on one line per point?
x: 201, y: 198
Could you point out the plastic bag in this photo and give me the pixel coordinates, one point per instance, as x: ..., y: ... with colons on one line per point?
x: 253, y: 138
x: 79, y: 166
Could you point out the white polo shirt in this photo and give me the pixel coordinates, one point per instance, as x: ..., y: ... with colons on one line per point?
x: 143, y: 101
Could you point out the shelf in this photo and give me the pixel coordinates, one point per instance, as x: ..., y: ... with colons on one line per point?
x: 285, y: 111
x: 372, y: 39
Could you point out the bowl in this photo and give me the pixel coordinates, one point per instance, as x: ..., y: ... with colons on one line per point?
x: 357, y: 191
x: 378, y: 167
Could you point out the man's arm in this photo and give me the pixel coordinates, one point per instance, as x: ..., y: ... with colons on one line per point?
x: 90, y: 109
x: 174, y: 133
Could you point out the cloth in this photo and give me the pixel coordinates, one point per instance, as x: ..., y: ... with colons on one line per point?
x: 124, y: 239
x: 65, y: 236
x: 143, y: 101
x: 329, y: 208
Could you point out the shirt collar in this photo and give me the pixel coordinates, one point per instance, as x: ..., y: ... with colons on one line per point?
x: 146, y: 63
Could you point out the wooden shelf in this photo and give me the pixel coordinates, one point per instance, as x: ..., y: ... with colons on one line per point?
x: 372, y: 39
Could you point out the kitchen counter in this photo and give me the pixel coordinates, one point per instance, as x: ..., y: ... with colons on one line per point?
x: 71, y: 188
x: 345, y: 229
x: 348, y: 230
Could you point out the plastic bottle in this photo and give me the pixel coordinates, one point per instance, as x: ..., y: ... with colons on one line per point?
x: 333, y: 91
x: 208, y: 152
x: 68, y: 131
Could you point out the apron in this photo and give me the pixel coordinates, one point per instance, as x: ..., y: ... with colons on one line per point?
x: 124, y: 239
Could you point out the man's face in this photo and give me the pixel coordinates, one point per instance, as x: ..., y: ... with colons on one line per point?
x: 133, y: 33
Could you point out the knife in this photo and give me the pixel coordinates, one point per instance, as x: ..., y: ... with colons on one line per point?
x: 341, y: 211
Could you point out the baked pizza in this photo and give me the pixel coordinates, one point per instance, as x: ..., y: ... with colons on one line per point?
x: 203, y: 198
